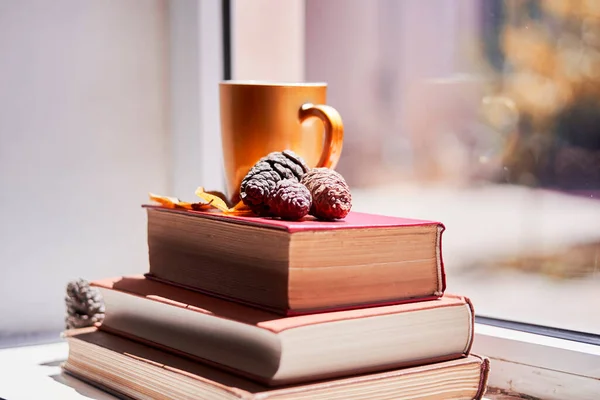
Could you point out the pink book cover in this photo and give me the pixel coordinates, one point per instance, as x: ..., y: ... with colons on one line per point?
x: 138, y: 285
x: 195, y: 302
x: 354, y: 220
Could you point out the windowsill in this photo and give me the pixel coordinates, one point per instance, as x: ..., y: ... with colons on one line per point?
x: 34, y: 372
x: 497, y: 235
x: 539, y: 366
x: 521, y: 362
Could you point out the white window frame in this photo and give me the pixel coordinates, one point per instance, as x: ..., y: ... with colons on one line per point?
x: 196, y: 68
x: 521, y: 362
x: 539, y: 366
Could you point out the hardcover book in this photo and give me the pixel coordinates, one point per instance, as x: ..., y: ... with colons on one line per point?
x: 298, y: 267
x: 277, y: 350
x: 132, y: 370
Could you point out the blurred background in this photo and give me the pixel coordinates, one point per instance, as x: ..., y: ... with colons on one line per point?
x: 482, y: 114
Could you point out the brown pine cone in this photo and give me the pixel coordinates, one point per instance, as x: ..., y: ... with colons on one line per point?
x: 331, y: 197
x: 290, y: 200
x: 261, y: 180
x: 84, y: 304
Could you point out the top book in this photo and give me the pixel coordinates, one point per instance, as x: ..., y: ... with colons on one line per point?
x: 297, y: 267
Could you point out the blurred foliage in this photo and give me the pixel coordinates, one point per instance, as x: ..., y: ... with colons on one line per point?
x: 548, y: 64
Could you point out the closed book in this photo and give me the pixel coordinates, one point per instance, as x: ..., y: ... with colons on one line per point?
x: 132, y: 370
x: 298, y: 267
x: 277, y: 350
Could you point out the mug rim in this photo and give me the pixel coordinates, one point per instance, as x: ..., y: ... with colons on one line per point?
x: 251, y: 82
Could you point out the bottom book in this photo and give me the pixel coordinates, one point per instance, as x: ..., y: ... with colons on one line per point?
x: 131, y: 370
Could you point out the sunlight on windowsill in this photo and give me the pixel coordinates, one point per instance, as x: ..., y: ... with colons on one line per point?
x: 509, y: 248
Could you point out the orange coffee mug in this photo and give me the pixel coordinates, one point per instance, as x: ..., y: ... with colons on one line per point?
x: 261, y: 117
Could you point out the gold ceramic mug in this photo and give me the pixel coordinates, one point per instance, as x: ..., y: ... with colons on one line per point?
x: 261, y: 117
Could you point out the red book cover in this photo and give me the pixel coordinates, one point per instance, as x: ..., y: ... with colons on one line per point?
x: 191, y: 324
x: 385, y: 277
x: 354, y: 220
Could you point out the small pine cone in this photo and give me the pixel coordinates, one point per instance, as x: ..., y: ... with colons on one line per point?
x: 261, y: 180
x: 330, y: 193
x: 84, y: 303
x: 291, y: 200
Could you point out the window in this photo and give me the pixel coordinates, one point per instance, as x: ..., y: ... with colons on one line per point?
x: 483, y: 115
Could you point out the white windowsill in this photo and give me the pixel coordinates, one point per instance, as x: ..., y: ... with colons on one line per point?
x: 521, y: 362
x: 33, y: 372
x: 539, y: 366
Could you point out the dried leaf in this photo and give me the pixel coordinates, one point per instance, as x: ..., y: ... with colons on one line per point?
x: 240, y: 209
x: 201, y: 206
x: 240, y: 206
x: 174, y: 202
x: 217, y: 202
x: 212, y: 199
x: 220, y: 195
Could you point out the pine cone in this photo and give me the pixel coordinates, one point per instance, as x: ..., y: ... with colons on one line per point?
x: 290, y: 200
x: 85, y: 306
x: 261, y: 180
x: 331, y: 197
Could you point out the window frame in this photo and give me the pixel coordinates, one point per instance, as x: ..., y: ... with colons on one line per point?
x: 538, y: 361
x: 198, y: 48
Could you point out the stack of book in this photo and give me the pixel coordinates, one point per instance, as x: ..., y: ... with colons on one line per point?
x: 239, y: 307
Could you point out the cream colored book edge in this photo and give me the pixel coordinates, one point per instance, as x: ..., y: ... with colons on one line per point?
x: 135, y: 371
x: 403, y: 336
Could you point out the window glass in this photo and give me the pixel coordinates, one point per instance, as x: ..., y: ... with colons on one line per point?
x: 484, y: 115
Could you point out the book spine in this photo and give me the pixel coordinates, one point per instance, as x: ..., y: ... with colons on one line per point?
x: 483, y: 379
x: 472, y: 325
x: 440, y: 260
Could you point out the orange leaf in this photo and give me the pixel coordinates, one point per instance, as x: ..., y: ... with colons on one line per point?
x: 220, y: 195
x: 174, y: 202
x: 212, y: 199
x: 217, y: 202
x: 240, y: 206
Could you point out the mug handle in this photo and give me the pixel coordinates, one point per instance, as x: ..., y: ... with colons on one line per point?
x: 334, y: 131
